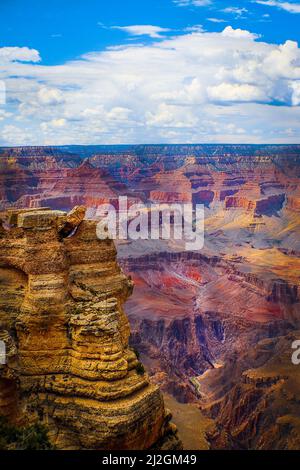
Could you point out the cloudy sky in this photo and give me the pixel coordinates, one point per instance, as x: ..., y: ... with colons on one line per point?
x: 151, y: 71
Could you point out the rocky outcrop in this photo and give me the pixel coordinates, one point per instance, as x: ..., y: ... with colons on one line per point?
x: 234, y: 202
x: 293, y: 203
x: 68, y: 363
x: 284, y: 293
x: 261, y: 410
x: 270, y: 206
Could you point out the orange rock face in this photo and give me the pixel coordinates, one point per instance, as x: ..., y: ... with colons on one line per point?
x: 68, y: 363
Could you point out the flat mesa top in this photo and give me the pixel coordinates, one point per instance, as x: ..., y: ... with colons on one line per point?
x: 12, y: 214
x: 39, y: 218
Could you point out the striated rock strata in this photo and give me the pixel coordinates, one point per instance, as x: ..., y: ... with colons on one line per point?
x: 261, y: 410
x: 68, y: 363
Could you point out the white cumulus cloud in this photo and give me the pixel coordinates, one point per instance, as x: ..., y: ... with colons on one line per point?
x: 24, y: 54
x: 193, y: 87
x: 238, y: 33
x: 50, y: 96
x: 236, y: 92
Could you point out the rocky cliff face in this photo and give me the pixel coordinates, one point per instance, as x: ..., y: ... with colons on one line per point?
x: 261, y: 410
x: 68, y: 363
x: 190, y: 325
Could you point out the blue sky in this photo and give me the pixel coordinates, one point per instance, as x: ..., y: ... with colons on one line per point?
x: 149, y: 71
x: 64, y: 29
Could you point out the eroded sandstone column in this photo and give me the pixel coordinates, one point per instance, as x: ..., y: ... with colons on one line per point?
x: 73, y: 369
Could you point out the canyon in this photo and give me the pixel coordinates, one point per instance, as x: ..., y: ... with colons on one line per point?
x: 68, y: 363
x: 213, y: 327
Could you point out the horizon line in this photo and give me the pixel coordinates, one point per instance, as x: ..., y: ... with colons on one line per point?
x: 152, y: 145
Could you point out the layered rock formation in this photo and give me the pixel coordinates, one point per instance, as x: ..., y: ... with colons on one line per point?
x: 201, y: 313
x: 261, y: 410
x: 193, y: 315
x: 68, y: 363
